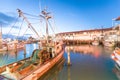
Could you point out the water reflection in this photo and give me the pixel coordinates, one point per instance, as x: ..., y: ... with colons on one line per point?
x: 3, y: 58
x: 117, y: 71
x: 68, y: 49
x: 85, y: 49
x: 91, y: 63
x: 54, y: 72
x: 88, y: 63
x: 69, y: 73
x: 12, y: 56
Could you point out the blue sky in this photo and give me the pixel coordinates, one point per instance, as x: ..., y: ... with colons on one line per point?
x: 69, y: 15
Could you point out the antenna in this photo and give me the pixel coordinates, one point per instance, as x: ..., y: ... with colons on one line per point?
x: 40, y: 5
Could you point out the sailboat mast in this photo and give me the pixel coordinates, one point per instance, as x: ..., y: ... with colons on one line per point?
x: 1, y: 38
x: 47, y: 30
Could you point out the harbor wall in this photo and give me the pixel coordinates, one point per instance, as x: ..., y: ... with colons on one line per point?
x: 85, y: 36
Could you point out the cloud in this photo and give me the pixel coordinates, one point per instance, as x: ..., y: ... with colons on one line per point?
x: 6, y: 19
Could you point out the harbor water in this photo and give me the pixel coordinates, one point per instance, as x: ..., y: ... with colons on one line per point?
x: 11, y: 56
x: 87, y: 63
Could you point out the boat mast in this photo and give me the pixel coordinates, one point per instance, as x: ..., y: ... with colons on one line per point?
x: 1, y: 37
x: 29, y: 24
x: 46, y: 16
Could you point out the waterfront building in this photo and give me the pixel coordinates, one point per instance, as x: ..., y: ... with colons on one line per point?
x: 84, y: 35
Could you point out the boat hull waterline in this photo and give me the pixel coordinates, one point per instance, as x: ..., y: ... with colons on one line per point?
x: 43, y: 68
x: 38, y: 70
x: 116, y: 56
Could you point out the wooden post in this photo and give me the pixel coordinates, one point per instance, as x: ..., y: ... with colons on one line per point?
x: 24, y: 49
x: 15, y: 47
x: 68, y: 56
x: 69, y: 73
x: 7, y: 47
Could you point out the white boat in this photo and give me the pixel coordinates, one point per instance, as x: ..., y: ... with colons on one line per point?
x: 109, y: 43
x: 110, y: 39
x: 39, y: 63
x: 95, y: 42
x: 116, y: 56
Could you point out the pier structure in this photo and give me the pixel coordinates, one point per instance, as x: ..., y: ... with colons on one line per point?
x: 83, y: 37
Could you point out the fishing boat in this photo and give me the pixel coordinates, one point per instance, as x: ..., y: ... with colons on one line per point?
x: 54, y: 71
x: 110, y: 39
x: 41, y: 60
x: 109, y: 43
x: 95, y: 42
x: 116, y: 56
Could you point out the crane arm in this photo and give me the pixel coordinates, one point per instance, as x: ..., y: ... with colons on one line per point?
x: 29, y: 24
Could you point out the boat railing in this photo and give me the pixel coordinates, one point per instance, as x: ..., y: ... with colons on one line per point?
x: 3, y: 68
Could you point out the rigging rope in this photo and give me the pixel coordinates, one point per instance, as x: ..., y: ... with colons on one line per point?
x: 41, y: 32
x: 4, y: 58
x: 51, y: 27
x: 33, y: 18
x: 31, y: 15
x: 13, y: 25
x: 35, y: 23
x: 32, y: 30
x: 25, y: 31
x: 56, y: 28
x: 20, y: 28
